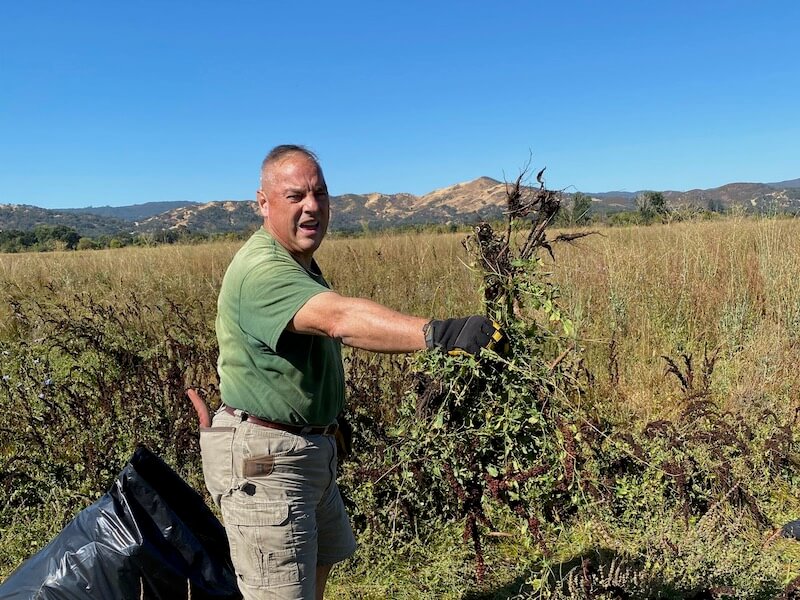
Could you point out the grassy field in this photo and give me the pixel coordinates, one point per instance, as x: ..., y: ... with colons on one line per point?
x: 731, y: 285
x: 719, y: 301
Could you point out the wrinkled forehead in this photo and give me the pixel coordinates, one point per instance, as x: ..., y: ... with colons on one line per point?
x: 294, y: 169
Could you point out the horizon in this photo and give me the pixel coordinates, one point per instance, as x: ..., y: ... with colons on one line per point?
x: 590, y: 193
x: 116, y: 105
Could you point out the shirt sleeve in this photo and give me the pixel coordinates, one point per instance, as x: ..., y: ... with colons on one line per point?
x: 270, y: 297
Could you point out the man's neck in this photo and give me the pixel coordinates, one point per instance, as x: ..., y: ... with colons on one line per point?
x: 308, y: 263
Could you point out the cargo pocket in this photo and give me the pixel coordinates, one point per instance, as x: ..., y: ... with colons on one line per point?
x: 216, y: 445
x: 260, y: 537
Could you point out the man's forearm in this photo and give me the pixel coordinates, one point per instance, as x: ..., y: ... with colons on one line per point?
x: 360, y: 323
x: 375, y: 327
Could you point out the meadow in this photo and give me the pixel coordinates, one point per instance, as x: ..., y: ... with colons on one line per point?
x: 677, y: 459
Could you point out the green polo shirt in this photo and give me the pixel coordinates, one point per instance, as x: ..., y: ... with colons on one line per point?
x: 263, y: 369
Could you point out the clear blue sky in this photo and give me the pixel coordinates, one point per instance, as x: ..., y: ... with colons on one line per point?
x: 128, y: 102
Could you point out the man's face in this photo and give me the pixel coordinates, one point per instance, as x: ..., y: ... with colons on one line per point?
x: 294, y: 203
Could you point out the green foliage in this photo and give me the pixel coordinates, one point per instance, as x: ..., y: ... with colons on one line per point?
x: 623, y: 218
x: 41, y: 238
x: 85, y: 244
x: 578, y: 211
x: 47, y: 238
x: 651, y: 206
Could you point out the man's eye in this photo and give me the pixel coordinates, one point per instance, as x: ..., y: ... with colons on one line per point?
x: 295, y: 197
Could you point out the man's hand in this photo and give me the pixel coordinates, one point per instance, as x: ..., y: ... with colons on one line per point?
x: 466, y: 335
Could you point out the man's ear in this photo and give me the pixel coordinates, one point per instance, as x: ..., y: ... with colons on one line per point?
x: 261, y: 198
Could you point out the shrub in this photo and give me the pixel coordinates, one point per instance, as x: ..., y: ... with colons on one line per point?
x: 83, y: 383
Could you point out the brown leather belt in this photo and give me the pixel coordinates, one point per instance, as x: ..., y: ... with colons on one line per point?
x: 295, y: 429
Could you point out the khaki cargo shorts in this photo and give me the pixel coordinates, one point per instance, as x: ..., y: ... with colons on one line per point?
x: 280, y: 504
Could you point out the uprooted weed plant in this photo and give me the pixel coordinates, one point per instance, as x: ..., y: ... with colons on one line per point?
x: 504, y: 436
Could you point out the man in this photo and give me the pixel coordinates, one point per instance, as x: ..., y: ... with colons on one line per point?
x: 269, y: 458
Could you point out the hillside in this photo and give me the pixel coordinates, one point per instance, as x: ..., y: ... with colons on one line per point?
x: 25, y: 218
x: 132, y: 212
x: 791, y: 183
x: 460, y: 203
x: 211, y: 217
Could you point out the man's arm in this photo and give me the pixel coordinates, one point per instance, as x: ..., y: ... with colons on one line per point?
x: 359, y: 323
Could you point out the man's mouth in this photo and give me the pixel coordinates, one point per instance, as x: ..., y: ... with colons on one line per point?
x: 310, y: 226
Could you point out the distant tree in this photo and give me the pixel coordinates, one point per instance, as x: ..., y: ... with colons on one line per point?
x: 165, y: 236
x: 581, y: 208
x: 143, y: 239
x: 182, y: 233
x: 576, y: 211
x: 102, y: 241
x: 651, y: 205
x: 14, y: 240
x: 85, y: 243
x: 47, y: 237
x: 715, y: 206
x: 43, y: 233
x: 623, y: 218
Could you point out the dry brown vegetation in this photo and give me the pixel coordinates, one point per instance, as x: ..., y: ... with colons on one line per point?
x: 657, y: 291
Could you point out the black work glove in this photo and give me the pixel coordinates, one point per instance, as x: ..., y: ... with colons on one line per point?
x: 466, y: 335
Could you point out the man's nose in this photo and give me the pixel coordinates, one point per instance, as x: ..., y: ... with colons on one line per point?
x: 311, y: 202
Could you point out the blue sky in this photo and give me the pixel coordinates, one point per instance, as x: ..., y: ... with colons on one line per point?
x: 121, y: 103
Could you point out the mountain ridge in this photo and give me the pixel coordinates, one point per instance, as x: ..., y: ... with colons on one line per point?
x: 481, y: 198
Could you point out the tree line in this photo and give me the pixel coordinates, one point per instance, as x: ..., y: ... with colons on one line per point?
x: 48, y: 238
x: 650, y: 207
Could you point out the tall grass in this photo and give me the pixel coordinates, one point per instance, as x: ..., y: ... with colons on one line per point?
x: 679, y: 288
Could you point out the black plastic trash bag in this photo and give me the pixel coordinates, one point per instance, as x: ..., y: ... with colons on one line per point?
x: 150, y: 536
x: 791, y: 530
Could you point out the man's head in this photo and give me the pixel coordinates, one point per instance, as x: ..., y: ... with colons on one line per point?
x: 293, y: 199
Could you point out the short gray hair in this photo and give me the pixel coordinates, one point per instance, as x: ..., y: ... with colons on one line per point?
x: 279, y: 152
